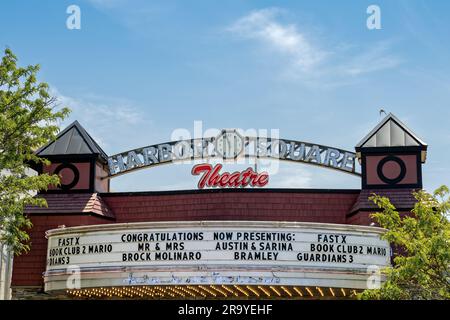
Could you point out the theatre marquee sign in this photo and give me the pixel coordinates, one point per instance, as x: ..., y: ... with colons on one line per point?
x: 225, y: 252
x: 230, y: 145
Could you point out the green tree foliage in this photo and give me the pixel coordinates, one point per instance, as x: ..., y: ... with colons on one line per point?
x: 27, y: 121
x: 421, y: 271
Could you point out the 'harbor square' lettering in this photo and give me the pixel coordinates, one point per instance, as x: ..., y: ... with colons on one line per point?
x: 253, y: 147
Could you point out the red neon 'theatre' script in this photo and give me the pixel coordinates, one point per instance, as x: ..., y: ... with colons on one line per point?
x: 212, y: 178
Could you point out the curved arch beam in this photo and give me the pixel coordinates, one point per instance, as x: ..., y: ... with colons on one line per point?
x: 253, y: 147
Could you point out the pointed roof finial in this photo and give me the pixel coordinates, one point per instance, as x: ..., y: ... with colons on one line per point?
x: 391, y: 132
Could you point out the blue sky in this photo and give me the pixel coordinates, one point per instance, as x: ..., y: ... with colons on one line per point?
x: 137, y: 70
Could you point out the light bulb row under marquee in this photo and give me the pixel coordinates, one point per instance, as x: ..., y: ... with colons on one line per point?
x: 210, y: 291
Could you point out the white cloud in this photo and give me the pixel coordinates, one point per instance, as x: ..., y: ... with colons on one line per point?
x: 105, y: 118
x: 376, y: 58
x: 262, y: 25
x: 309, y: 61
x: 100, y: 108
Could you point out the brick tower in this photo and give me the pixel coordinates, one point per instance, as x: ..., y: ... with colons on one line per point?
x: 391, y: 158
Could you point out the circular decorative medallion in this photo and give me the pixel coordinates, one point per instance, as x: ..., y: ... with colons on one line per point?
x: 229, y: 144
x: 390, y: 180
x: 76, y: 175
